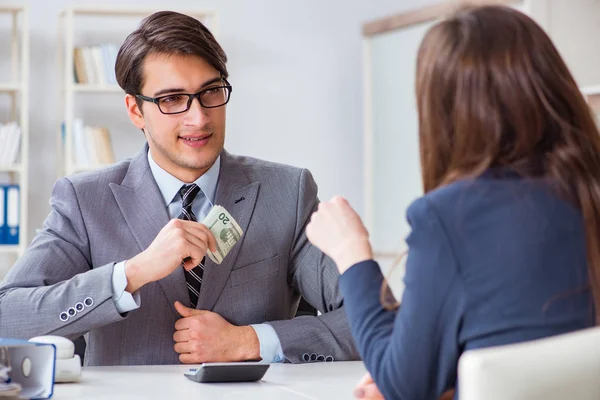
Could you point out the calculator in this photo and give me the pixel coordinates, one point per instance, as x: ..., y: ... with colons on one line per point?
x: 228, y: 372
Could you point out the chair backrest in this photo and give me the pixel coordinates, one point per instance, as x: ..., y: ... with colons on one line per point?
x: 556, y: 368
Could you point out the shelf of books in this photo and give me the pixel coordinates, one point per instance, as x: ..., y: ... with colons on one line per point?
x: 95, y: 130
x: 14, y: 135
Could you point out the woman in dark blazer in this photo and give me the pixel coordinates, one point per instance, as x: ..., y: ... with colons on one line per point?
x: 505, y: 243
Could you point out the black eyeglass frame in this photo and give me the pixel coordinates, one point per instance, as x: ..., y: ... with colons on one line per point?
x: 191, y: 96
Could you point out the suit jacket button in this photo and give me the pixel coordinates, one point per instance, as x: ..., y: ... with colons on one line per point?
x: 79, y: 307
x: 329, y: 358
x: 71, y: 311
x: 305, y: 357
x: 321, y: 357
x: 313, y: 357
x: 88, y: 301
x: 64, y: 317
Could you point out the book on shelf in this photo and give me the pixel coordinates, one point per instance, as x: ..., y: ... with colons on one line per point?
x: 92, y: 145
x: 10, y: 143
x: 95, y: 65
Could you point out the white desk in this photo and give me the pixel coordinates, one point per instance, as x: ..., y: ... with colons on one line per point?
x: 329, y: 380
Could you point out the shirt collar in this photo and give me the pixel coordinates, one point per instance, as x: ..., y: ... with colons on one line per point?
x: 169, y: 185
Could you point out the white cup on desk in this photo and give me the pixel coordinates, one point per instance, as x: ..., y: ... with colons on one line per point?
x: 67, y: 367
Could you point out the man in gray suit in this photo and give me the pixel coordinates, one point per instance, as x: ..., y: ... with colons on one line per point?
x: 108, y: 263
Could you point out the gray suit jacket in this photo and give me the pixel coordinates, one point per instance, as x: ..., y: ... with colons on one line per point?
x: 103, y: 217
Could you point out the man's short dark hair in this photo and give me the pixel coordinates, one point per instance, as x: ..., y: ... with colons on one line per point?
x: 165, y: 32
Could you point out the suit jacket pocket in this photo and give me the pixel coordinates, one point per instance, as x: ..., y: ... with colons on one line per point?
x: 255, y: 271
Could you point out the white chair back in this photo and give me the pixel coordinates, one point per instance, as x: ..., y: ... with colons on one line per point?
x: 563, y: 367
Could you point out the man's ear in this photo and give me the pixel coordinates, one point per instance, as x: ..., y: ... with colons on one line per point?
x: 134, y: 112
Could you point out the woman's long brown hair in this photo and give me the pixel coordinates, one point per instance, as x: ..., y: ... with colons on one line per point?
x: 493, y: 91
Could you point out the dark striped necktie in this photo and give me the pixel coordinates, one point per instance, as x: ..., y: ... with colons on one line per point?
x: 193, y: 277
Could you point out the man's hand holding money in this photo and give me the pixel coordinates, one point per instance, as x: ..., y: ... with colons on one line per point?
x: 184, y: 242
x: 178, y: 240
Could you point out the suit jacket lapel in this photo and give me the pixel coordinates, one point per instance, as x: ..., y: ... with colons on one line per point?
x: 143, y: 208
x: 237, y: 194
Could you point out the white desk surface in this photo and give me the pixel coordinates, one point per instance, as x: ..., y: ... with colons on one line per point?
x: 324, y: 380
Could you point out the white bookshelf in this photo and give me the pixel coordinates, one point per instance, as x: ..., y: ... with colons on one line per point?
x: 10, y: 87
x: 86, y: 87
x: 71, y: 91
x: 16, y: 86
x: 13, y: 168
x: 10, y: 249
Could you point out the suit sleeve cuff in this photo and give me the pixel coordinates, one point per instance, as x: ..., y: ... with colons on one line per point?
x: 270, y: 346
x: 124, y: 301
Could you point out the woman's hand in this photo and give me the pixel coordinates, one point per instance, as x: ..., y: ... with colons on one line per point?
x: 367, y: 389
x: 337, y: 231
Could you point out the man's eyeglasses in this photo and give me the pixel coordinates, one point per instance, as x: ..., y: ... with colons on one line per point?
x: 212, y: 97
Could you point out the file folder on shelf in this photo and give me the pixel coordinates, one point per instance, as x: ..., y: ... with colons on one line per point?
x: 12, y: 205
x: 2, y: 215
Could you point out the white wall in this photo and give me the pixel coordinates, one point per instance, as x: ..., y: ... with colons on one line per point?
x: 574, y: 27
x: 296, y: 68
